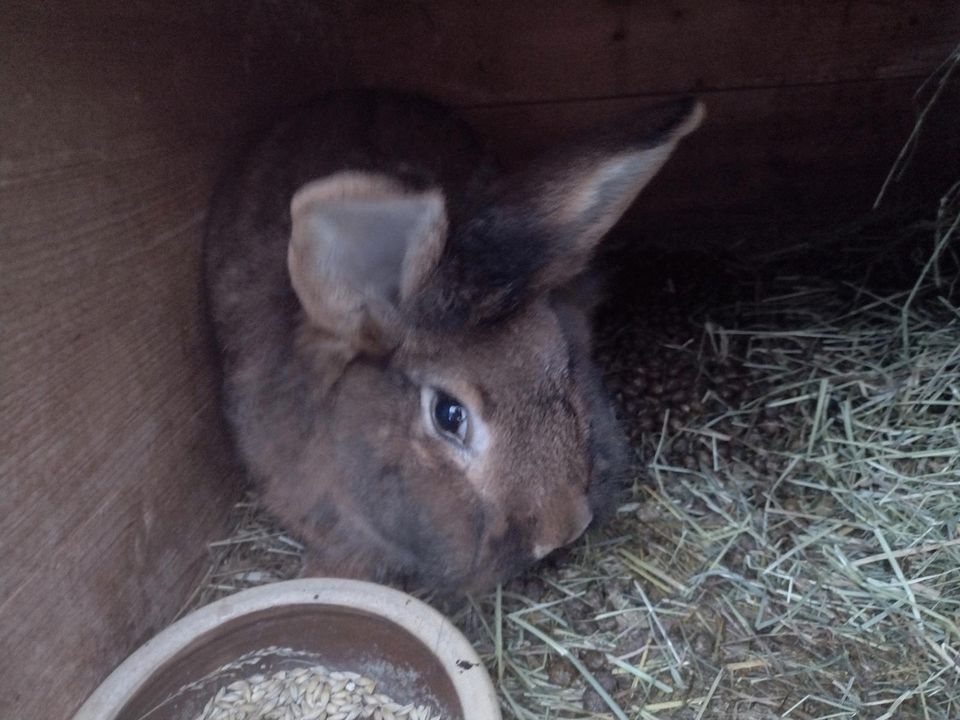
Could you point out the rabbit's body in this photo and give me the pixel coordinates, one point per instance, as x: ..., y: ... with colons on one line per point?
x: 405, y: 345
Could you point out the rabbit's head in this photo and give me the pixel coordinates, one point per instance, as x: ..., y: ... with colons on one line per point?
x: 465, y: 433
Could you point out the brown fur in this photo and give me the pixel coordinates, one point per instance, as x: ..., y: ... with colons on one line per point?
x: 323, y: 373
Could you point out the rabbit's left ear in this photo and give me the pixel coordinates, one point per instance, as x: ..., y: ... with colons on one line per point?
x: 576, y: 196
x: 537, y: 230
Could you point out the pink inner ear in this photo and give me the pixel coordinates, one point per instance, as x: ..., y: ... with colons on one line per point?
x: 364, y: 244
x: 358, y: 239
x: 607, y: 189
x: 423, y: 256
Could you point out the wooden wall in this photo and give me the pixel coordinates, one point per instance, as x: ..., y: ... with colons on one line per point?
x: 113, y: 474
x: 115, y: 119
x: 808, y: 102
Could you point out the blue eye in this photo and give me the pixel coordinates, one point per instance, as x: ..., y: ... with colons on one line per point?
x: 450, y: 416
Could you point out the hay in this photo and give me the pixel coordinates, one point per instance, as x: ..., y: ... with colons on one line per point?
x: 258, y: 551
x: 790, y: 546
x: 791, y: 550
x: 806, y: 564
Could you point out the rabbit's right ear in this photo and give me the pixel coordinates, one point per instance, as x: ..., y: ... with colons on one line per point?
x: 360, y: 246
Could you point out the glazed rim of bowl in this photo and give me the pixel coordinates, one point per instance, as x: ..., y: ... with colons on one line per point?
x: 474, y: 690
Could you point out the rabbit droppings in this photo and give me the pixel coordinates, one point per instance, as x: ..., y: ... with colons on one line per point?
x: 405, y: 335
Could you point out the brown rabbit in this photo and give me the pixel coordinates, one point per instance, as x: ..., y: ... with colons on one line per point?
x: 405, y: 337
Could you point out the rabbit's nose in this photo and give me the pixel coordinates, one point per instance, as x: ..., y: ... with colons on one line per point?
x: 541, y: 551
x: 585, y: 517
x: 582, y: 519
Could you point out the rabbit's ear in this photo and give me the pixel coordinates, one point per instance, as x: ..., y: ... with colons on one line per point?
x: 576, y: 195
x: 534, y: 231
x: 360, y: 246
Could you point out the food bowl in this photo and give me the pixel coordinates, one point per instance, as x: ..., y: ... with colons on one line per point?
x: 412, y: 652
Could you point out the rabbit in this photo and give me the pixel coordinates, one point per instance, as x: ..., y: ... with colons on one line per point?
x: 405, y: 335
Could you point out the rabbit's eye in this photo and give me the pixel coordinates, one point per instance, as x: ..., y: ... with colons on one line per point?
x: 450, y: 416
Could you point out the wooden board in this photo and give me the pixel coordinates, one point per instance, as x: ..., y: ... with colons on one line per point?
x: 113, y: 469
x: 506, y: 51
x: 808, y: 103
x: 786, y: 156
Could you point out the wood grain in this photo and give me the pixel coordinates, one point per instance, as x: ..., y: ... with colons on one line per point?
x: 113, y: 469
x: 786, y: 156
x: 539, y: 50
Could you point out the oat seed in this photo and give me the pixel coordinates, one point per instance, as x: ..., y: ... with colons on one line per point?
x: 308, y: 693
